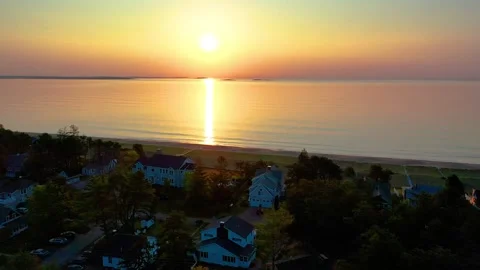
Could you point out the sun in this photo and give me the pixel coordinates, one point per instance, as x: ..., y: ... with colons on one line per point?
x: 208, y: 43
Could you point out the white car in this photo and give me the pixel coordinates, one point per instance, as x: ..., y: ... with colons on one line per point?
x: 22, y: 210
x: 40, y: 252
x: 58, y: 241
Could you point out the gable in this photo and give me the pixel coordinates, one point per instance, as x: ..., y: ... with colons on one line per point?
x: 254, y: 190
x: 215, y: 247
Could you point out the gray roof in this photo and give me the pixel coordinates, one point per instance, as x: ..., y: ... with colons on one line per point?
x: 16, y: 161
x: 14, y: 223
x: 234, y: 224
x: 163, y: 161
x: 269, y: 179
x: 4, y: 212
x: 230, y: 246
x: 382, y: 190
x: 9, y: 186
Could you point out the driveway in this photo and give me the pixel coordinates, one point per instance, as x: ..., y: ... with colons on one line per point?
x: 63, y: 255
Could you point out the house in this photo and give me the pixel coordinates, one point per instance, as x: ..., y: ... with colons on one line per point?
x: 267, y: 186
x: 121, y: 248
x: 15, y: 164
x: 103, y: 166
x: 412, y: 193
x: 228, y: 242
x: 304, y: 262
x: 382, y: 193
x: 12, y: 221
x: 69, y: 180
x: 160, y: 168
x: 13, y: 192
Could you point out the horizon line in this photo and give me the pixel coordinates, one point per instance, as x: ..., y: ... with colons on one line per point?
x: 102, y: 77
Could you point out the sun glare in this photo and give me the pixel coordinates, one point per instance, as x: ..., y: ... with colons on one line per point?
x: 209, y: 137
x: 208, y: 43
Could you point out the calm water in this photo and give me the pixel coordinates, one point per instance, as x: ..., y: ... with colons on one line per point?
x: 408, y: 119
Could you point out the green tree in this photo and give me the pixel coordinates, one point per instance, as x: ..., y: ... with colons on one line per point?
x: 49, y: 205
x: 349, y: 172
x: 197, y: 188
x: 139, y: 150
x: 378, y: 173
x: 22, y: 261
x: 272, y: 237
x: 175, y: 240
x: 313, y: 168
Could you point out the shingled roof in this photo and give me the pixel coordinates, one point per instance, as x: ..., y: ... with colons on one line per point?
x: 16, y: 161
x: 230, y: 246
x: 234, y: 224
x: 163, y: 161
x: 9, y: 186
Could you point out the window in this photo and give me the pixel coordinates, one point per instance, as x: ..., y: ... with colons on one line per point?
x: 144, y: 168
x: 153, y: 169
x: 207, y: 235
x: 228, y: 259
x: 110, y: 260
x: 243, y: 259
x: 237, y: 239
x: 203, y: 254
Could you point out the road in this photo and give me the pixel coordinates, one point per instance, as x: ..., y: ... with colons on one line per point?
x: 68, y: 253
x: 63, y: 255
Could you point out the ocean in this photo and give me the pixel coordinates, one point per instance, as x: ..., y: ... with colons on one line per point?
x: 427, y: 120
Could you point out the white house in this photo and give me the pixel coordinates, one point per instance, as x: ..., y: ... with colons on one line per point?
x: 100, y: 167
x: 267, y: 186
x: 70, y: 179
x: 160, y: 168
x: 228, y: 242
x: 120, y: 247
x: 13, y: 221
x: 15, y: 191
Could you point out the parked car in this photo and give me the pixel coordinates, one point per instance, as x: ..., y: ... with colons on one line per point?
x: 80, y: 260
x: 58, y: 241
x: 75, y: 267
x: 22, y: 210
x: 87, y: 253
x: 42, y: 253
x: 70, y: 235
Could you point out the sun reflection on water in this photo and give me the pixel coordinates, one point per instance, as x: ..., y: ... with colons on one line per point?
x: 209, y: 89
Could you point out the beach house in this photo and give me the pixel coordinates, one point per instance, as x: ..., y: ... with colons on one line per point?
x: 121, y: 249
x: 413, y: 192
x: 15, y: 191
x: 102, y: 166
x: 12, y: 221
x: 267, y: 187
x: 228, y: 242
x: 14, y: 164
x: 160, y: 168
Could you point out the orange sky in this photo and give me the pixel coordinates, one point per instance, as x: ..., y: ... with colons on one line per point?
x: 372, y: 39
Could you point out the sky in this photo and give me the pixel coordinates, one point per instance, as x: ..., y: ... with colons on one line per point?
x: 317, y: 39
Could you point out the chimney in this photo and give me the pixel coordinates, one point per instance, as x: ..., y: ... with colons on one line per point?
x: 222, y: 233
x: 222, y: 224
x: 269, y: 168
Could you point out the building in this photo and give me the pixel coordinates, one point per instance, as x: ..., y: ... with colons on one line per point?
x: 382, y: 194
x: 121, y: 249
x: 15, y: 191
x: 12, y: 221
x: 15, y: 164
x: 267, y: 186
x: 103, y: 166
x: 228, y: 242
x: 69, y: 180
x: 160, y: 168
x: 412, y: 193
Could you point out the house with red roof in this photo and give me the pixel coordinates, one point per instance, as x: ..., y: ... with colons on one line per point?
x: 161, y: 168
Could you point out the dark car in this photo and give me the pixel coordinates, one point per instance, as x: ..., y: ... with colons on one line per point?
x: 80, y: 260
x: 69, y: 235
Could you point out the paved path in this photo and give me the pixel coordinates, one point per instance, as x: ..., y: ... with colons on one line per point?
x: 63, y: 255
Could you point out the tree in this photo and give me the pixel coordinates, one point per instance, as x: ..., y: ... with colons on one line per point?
x: 22, y: 261
x: 272, y: 235
x: 175, y: 240
x: 380, y: 174
x: 49, y: 205
x: 435, y: 258
x: 222, y: 163
x: 350, y: 172
x: 313, y: 168
x: 197, y: 188
x: 139, y: 149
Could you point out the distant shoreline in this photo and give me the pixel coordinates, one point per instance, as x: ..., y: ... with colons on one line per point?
x: 263, y: 151
x: 26, y: 77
